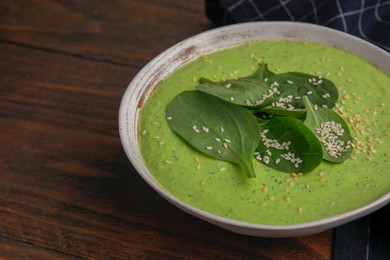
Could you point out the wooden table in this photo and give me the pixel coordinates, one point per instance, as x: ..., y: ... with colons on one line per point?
x: 67, y: 189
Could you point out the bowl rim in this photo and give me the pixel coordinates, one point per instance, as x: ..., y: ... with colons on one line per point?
x: 131, y: 149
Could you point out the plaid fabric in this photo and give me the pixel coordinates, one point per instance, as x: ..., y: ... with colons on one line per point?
x: 367, y: 19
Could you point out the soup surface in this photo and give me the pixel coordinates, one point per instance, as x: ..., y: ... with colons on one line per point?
x: 274, y: 197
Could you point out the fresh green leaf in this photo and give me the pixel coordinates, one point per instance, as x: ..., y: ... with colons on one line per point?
x: 250, y: 91
x: 262, y: 73
x: 332, y: 131
x: 287, y: 145
x: 296, y: 113
x: 242, y: 93
x: 320, y: 91
x: 215, y: 127
x: 292, y: 86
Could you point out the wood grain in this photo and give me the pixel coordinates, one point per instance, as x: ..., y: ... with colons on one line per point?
x: 67, y: 189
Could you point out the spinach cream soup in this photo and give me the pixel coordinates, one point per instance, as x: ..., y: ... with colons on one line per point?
x: 275, y: 197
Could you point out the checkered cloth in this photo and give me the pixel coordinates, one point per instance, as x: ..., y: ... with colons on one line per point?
x: 367, y: 19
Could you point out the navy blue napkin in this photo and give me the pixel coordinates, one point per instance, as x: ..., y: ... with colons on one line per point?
x: 365, y: 238
x: 367, y: 19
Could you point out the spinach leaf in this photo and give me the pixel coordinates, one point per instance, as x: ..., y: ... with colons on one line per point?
x: 292, y: 86
x: 250, y: 91
x: 296, y: 113
x: 320, y: 91
x: 332, y: 131
x: 287, y: 145
x: 215, y: 127
x: 262, y: 73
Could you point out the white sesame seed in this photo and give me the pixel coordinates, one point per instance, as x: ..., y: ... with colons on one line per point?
x: 222, y: 129
x: 169, y: 118
x: 217, y: 139
x: 266, y: 159
x: 225, y: 145
x: 227, y: 140
x: 209, y: 147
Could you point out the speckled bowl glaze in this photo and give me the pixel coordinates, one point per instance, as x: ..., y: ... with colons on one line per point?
x: 148, y: 78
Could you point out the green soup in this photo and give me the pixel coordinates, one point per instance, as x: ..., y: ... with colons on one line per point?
x: 274, y: 197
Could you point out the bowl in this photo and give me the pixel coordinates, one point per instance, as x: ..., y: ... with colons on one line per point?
x: 143, y: 84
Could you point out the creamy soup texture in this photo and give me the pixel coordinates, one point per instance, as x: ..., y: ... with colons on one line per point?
x: 274, y: 197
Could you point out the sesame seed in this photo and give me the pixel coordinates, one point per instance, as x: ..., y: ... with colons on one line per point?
x: 227, y: 140
x: 266, y: 159
x: 225, y: 145
x: 300, y: 209
x: 169, y: 118
x: 144, y: 132
x: 217, y: 139
x: 231, y: 98
x: 167, y: 161
x: 286, y: 198
x: 228, y: 85
x: 195, y: 128
x: 222, y: 169
x: 264, y: 189
x: 205, y: 129
x: 222, y: 129
x: 209, y: 147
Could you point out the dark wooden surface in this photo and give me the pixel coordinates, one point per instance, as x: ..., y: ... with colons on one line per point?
x: 67, y: 189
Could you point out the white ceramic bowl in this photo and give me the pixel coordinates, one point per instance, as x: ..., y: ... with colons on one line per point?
x: 148, y: 78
